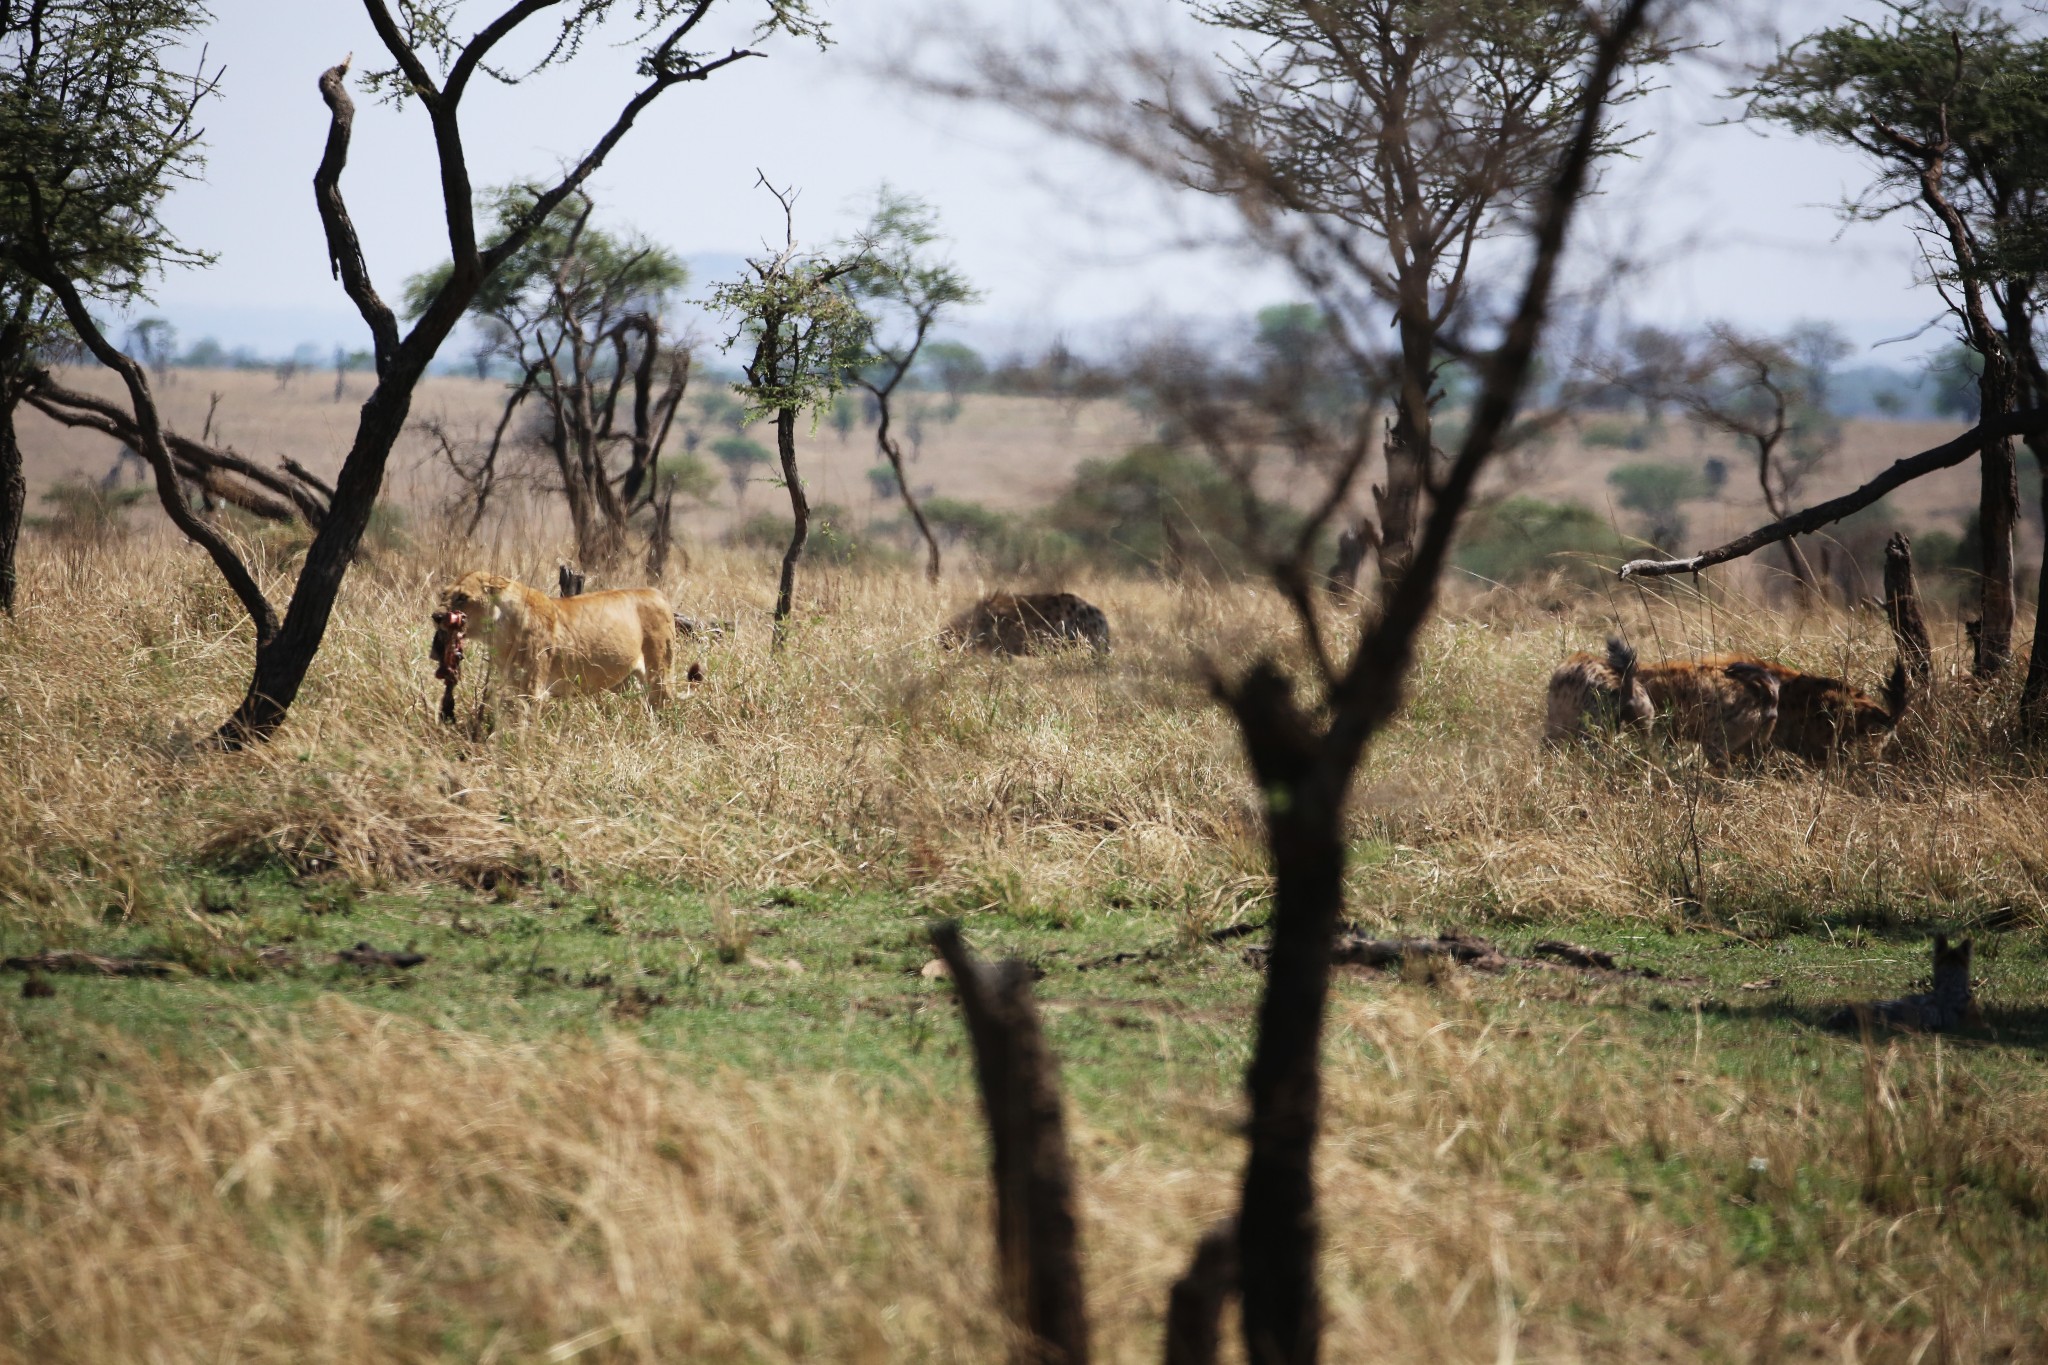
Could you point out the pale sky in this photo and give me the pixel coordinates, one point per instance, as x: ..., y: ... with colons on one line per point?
x: 1058, y: 238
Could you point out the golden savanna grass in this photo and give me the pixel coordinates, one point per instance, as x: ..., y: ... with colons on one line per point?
x: 363, y: 1188
x: 866, y: 755
x: 1509, y: 1171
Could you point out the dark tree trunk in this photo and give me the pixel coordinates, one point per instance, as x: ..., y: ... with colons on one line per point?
x: 1038, y: 1244
x: 1902, y: 609
x: 800, y: 516
x: 1303, y: 777
x: 1997, y: 512
x: 282, y: 661
x: 661, y: 538
x: 1353, y: 545
x: 13, y: 500
x: 1410, y: 443
x: 2034, y: 693
x: 1194, y: 1309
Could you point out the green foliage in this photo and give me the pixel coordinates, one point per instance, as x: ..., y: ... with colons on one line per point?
x: 567, y: 274
x: 688, y: 475
x: 902, y: 291
x: 832, y: 540
x: 740, y: 452
x: 1526, y: 538
x: 96, y: 129
x: 882, y: 482
x: 807, y: 330
x: 1655, y: 489
x: 1117, y: 512
x: 958, y: 368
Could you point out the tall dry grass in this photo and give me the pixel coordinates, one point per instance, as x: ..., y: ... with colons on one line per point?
x: 864, y: 756
x: 371, y: 1189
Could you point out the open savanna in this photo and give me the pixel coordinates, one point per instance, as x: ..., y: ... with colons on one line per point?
x: 1006, y: 452
x: 671, y: 1085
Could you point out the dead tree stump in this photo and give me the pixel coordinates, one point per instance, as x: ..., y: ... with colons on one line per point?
x: 1902, y: 609
x: 1037, y: 1238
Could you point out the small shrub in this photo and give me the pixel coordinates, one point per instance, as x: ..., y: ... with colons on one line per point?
x: 1526, y: 538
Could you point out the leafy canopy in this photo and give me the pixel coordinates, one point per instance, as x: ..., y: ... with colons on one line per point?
x: 96, y: 128
x: 1931, y: 85
x: 901, y: 288
x: 808, y: 332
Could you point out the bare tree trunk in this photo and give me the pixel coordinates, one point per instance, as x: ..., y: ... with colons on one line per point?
x: 1353, y: 544
x: 893, y: 453
x: 1409, y: 445
x: 1902, y: 609
x: 800, y: 514
x: 13, y: 499
x: 661, y: 539
x: 282, y: 661
x: 1037, y: 1239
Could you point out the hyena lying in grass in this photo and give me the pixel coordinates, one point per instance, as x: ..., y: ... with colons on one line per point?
x: 1728, y: 704
x: 1025, y: 623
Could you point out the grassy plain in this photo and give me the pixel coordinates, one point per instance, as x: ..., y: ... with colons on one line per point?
x: 671, y: 1085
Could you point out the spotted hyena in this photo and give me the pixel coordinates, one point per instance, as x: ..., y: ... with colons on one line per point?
x: 1588, y: 692
x: 1726, y: 704
x: 1818, y: 717
x: 1025, y: 623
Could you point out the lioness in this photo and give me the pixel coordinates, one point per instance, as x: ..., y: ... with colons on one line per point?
x: 550, y: 647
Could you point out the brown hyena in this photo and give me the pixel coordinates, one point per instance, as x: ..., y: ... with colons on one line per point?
x: 1587, y: 691
x: 1025, y: 623
x: 1727, y: 704
x: 1818, y: 717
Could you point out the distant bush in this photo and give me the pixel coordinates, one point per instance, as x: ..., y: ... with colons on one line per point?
x: 1526, y: 538
x: 1012, y: 545
x: 1655, y: 488
x: 832, y: 540
x: 1612, y: 433
x: 1117, y: 511
x: 86, y: 516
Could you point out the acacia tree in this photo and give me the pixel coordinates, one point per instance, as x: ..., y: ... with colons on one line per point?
x: 1948, y: 104
x: 432, y: 66
x: 581, y: 312
x: 96, y: 127
x: 808, y: 334
x: 903, y: 293
x: 30, y: 322
x: 1384, y: 142
x: 1303, y: 753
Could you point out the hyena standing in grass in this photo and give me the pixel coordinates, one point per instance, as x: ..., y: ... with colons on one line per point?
x: 1819, y: 717
x: 1602, y: 693
x: 1727, y: 705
